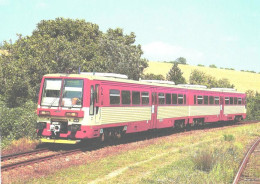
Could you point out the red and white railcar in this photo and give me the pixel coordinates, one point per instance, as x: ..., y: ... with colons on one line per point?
x: 73, y: 107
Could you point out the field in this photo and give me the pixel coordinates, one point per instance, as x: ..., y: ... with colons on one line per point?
x: 243, y: 81
x: 200, y: 156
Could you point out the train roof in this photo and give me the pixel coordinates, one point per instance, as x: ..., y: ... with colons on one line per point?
x: 144, y: 82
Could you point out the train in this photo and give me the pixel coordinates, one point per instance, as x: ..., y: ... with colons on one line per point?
x: 76, y: 107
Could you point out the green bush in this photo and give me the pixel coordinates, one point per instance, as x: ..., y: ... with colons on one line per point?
x: 212, y: 66
x: 18, y: 122
x: 253, y: 105
x: 228, y: 137
x: 204, y: 160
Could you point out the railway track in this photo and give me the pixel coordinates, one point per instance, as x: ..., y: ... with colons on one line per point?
x: 13, y: 161
x: 252, y: 176
x: 27, y: 158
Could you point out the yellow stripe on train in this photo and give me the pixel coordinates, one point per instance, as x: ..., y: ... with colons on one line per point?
x: 59, y: 141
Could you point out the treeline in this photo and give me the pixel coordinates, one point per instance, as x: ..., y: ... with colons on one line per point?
x: 196, y: 77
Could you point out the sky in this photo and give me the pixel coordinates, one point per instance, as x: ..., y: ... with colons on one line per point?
x: 223, y: 32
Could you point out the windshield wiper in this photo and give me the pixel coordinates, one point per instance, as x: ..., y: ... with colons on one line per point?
x: 52, y: 102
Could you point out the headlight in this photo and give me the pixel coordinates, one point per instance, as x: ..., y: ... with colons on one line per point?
x: 72, y: 114
x: 44, y: 113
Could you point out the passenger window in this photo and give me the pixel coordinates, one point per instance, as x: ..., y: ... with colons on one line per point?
x: 180, y: 98
x: 239, y: 101
x: 136, y: 97
x: 126, y: 97
x: 211, y: 100
x: 168, y: 98
x: 200, y: 100
x: 206, y: 100
x: 235, y: 100
x: 216, y: 100
x: 174, y: 98
x: 184, y: 99
x: 195, y: 99
x: 114, y: 96
x: 231, y: 100
x: 145, y: 98
x: 161, y: 98
x: 227, y: 100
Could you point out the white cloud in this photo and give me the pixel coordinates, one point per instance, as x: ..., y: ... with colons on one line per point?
x: 230, y: 38
x: 160, y: 28
x: 160, y: 51
x: 4, y: 2
x: 41, y: 5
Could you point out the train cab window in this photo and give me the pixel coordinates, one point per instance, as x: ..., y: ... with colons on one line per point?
x: 227, y: 100
x: 200, y: 100
x: 216, y: 100
x: 168, y: 98
x: 180, y: 98
x: 235, y: 100
x: 231, y: 100
x: 145, y: 98
x: 195, y: 99
x: 239, y: 100
x: 114, y: 96
x: 206, y: 100
x: 184, y: 99
x: 174, y: 98
x: 126, y: 97
x: 97, y: 92
x: 211, y: 100
x: 161, y: 98
x: 136, y: 97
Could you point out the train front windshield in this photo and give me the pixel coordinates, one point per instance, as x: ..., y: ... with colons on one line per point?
x: 65, y: 93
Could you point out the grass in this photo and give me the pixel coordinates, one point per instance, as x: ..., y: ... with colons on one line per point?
x: 199, y: 158
x: 243, y: 81
x: 20, y: 145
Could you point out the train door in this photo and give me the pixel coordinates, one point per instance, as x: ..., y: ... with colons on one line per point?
x: 94, y: 103
x: 221, y: 108
x: 154, y: 110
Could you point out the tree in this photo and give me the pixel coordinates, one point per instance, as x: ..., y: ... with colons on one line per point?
x: 212, y: 66
x: 120, y: 55
x: 61, y: 45
x: 175, y: 75
x: 253, y: 105
x: 197, y: 77
x: 151, y: 76
x: 181, y: 60
x: 201, y: 78
x: 224, y: 83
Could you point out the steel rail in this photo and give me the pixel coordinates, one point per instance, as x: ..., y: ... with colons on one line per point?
x: 16, y: 155
x: 39, y: 159
x: 245, y: 160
